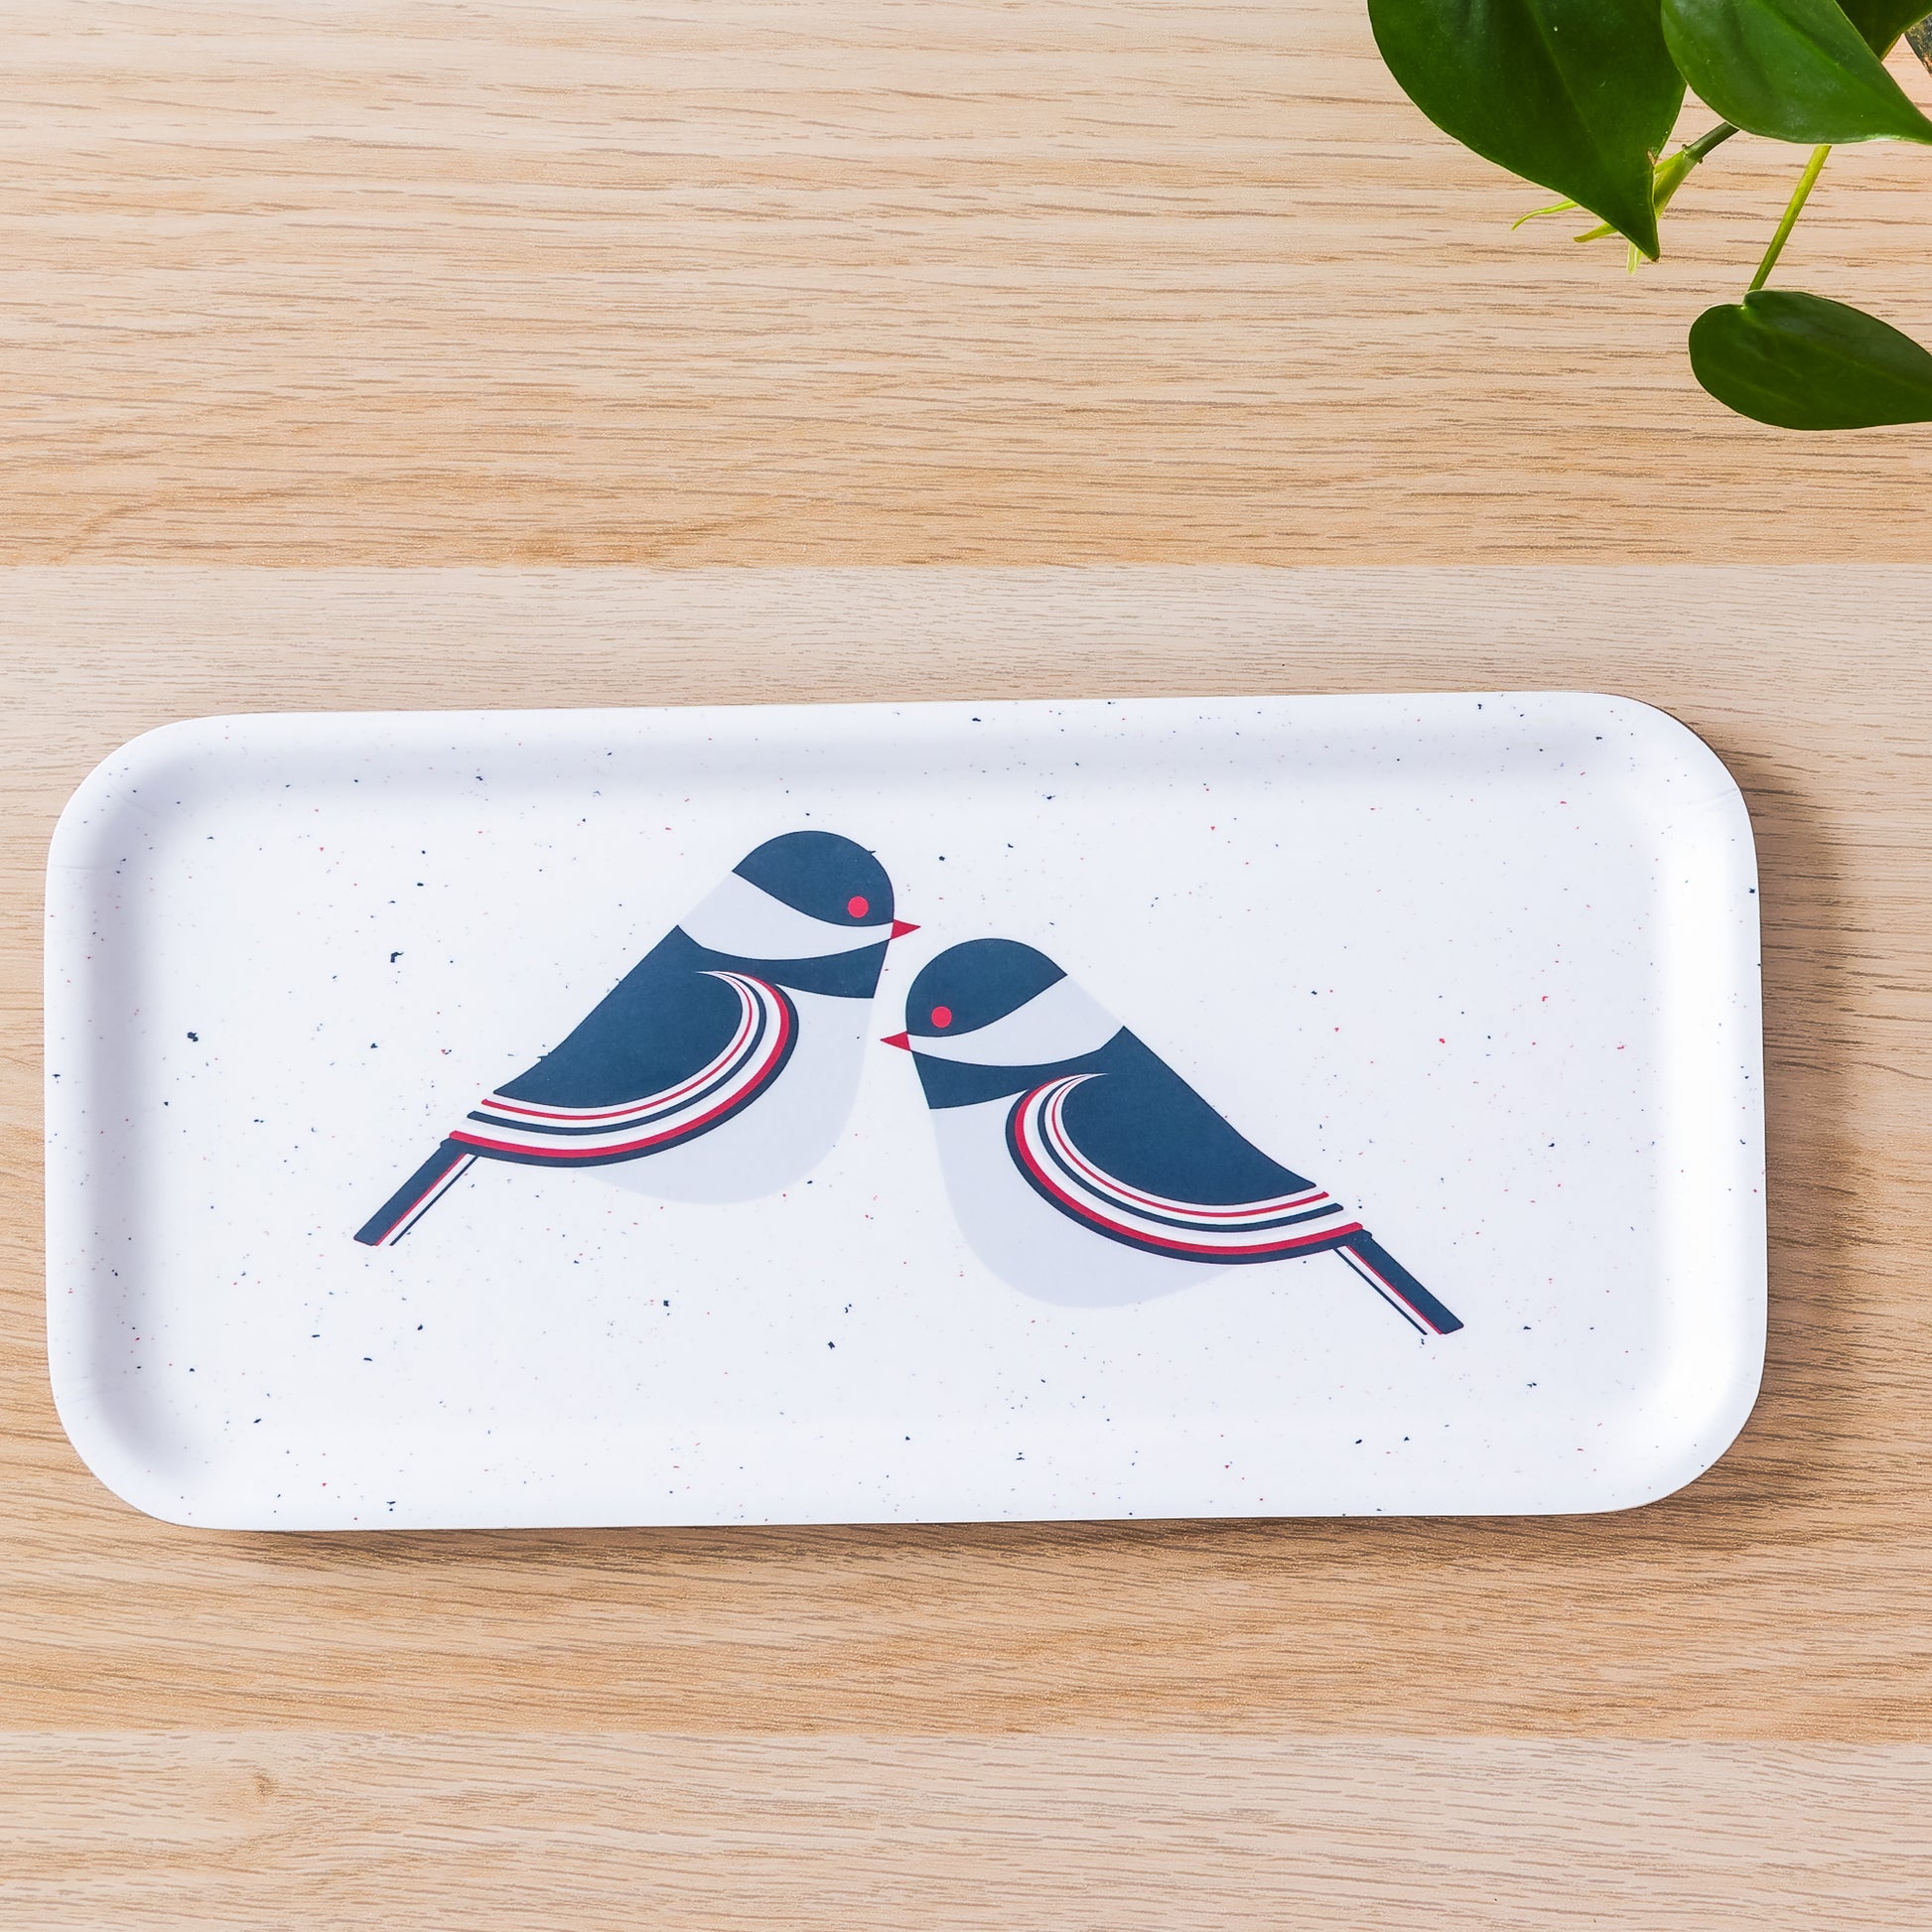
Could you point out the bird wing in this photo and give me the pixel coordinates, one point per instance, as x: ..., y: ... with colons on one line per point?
x: 510, y: 1126
x: 662, y: 1021
x: 1138, y: 1156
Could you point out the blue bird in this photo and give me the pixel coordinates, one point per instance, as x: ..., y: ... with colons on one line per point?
x: 724, y: 1063
x: 1082, y: 1168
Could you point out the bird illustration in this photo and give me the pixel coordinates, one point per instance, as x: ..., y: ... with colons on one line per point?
x: 1082, y: 1168
x: 721, y: 1066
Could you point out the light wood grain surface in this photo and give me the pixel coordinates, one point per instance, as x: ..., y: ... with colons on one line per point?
x: 867, y: 281
x: 1714, y: 1712
x: 1068, y: 1833
x: 545, y: 283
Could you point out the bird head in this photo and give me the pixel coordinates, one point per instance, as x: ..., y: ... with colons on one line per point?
x: 803, y: 898
x: 1002, y: 1009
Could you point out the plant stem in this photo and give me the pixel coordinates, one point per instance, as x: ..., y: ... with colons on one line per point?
x: 1702, y: 145
x: 1793, y: 208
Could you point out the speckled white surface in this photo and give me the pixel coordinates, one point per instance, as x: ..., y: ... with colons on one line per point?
x: 1488, y: 964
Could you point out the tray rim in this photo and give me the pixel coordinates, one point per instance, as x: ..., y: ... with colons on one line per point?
x: 92, y: 1434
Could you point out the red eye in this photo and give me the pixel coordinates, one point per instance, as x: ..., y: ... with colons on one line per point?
x: 857, y: 906
x: 942, y: 1015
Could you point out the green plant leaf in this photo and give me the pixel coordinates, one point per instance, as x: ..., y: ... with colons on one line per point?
x: 1795, y: 69
x: 1799, y: 361
x: 1580, y: 95
x: 1883, y: 21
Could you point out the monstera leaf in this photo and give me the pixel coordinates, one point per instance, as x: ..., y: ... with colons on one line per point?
x: 1795, y: 69
x: 1799, y: 361
x: 1580, y: 95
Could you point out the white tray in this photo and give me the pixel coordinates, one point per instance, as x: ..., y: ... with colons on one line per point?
x: 1482, y: 968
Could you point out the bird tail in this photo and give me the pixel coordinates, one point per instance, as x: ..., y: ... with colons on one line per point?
x: 1396, y: 1287
x: 417, y: 1195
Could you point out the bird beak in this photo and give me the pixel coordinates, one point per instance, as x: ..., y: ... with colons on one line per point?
x: 897, y: 1040
x: 900, y: 927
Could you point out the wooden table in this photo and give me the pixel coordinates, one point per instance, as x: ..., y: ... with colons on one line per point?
x: 571, y: 288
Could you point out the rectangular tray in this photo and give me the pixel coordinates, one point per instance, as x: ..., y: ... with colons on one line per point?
x: 1426, y: 1177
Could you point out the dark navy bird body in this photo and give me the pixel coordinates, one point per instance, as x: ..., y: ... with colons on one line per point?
x: 740, y: 1030
x: 1065, y: 1140
x: 1138, y: 1118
